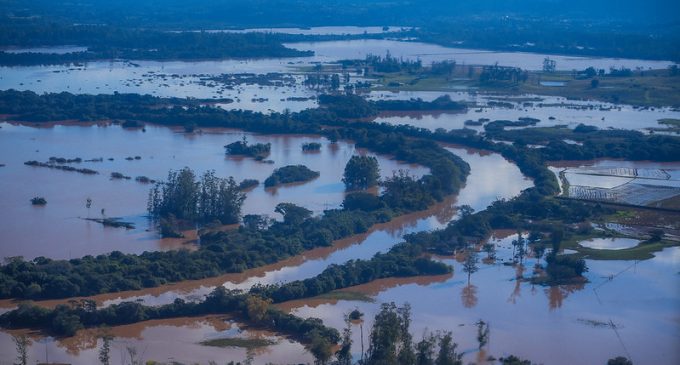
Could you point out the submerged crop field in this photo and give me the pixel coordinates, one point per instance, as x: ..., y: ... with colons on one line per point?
x: 342, y: 183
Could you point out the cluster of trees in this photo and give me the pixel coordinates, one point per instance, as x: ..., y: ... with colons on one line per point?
x: 348, y: 106
x: 595, y: 143
x: 106, y: 42
x: 67, y: 319
x: 327, y: 81
x: 388, y: 63
x: 311, y: 147
x: 443, y: 102
x: 184, y: 197
x: 242, y: 148
x: 545, y: 35
x: 290, y: 174
x: 497, y: 73
x: 403, y: 260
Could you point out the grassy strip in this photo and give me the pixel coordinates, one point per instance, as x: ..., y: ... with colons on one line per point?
x: 246, y: 343
x: 346, y: 295
x: 643, y: 251
x: 655, y: 88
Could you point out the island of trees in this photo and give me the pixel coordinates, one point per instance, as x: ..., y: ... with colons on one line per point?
x: 258, y: 151
x: 290, y: 174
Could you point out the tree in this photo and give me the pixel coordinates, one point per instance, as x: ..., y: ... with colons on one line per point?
x: 256, y: 308
x: 21, y: 344
x: 482, y: 333
x: 490, y: 250
x: 385, y: 336
x: 105, y: 350
x: 406, y: 356
x: 402, y: 191
x: 178, y: 195
x: 519, y: 247
x: 344, y: 354
x: 619, y: 360
x: 292, y: 214
x: 219, y: 199
x: 470, y: 265
x: 447, y: 351
x: 425, y: 350
x: 549, y: 65
x: 361, y: 172
x: 320, y: 348
x: 335, y: 81
x: 185, y: 198
x: 556, y: 237
x: 465, y: 211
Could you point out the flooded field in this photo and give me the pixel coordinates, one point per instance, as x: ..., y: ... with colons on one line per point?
x: 610, y: 243
x: 188, y: 79
x: 550, y: 110
x: 56, y: 229
x: 598, y: 320
x: 624, y: 182
x: 428, y: 53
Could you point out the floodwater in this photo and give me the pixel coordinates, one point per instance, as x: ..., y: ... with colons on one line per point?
x: 428, y: 53
x: 56, y: 230
x: 640, y: 183
x: 558, y: 325
x: 491, y: 178
x: 175, y: 340
x: 550, y: 110
x: 617, y: 243
x: 187, y: 79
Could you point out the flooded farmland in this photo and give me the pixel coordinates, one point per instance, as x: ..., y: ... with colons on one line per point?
x: 114, y: 253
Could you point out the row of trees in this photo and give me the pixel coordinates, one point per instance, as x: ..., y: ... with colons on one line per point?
x: 106, y: 42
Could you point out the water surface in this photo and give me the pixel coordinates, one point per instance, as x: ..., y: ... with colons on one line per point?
x: 57, y: 230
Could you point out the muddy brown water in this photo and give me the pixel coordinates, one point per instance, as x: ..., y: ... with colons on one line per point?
x: 492, y: 177
x: 567, y: 324
x: 57, y: 230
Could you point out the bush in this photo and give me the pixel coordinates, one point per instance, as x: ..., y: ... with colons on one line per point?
x: 290, y: 174
x: 38, y: 200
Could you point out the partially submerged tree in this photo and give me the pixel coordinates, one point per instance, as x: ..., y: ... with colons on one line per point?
x: 470, y: 264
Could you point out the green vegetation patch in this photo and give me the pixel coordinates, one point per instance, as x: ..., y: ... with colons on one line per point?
x: 290, y: 174
x: 670, y: 121
x: 643, y: 251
